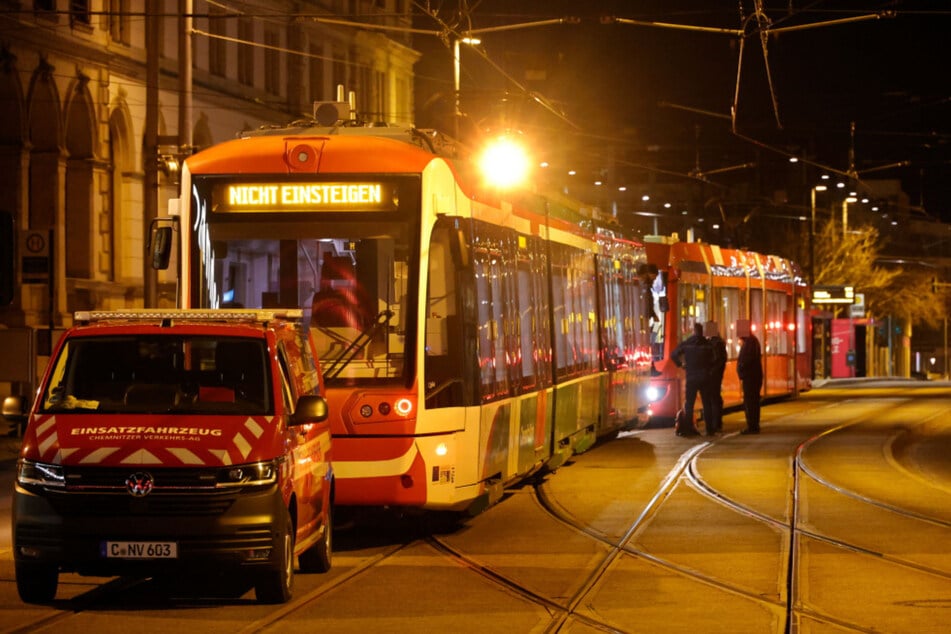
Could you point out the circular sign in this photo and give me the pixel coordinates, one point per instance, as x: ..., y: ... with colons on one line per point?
x: 35, y: 243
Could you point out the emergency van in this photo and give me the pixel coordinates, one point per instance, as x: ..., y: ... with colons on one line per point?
x: 171, y: 442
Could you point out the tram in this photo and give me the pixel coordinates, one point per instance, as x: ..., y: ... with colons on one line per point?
x: 469, y: 336
x: 700, y: 282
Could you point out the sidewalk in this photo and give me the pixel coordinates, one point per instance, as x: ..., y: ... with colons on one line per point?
x: 9, y: 443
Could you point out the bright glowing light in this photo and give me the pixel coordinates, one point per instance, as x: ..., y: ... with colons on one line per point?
x: 404, y: 406
x: 442, y: 449
x: 504, y: 163
x: 653, y: 393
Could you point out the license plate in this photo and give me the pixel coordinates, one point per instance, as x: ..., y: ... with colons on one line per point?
x: 140, y: 550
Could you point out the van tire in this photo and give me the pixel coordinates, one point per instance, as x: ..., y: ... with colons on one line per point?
x: 319, y: 557
x: 36, y: 583
x: 276, y: 585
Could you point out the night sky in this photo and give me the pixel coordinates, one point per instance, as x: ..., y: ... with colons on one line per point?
x: 668, y: 93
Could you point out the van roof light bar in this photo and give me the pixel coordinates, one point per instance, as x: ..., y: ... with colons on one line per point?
x: 207, y: 314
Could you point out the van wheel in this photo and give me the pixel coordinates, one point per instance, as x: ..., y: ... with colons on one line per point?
x: 275, y: 586
x: 36, y: 583
x: 319, y: 557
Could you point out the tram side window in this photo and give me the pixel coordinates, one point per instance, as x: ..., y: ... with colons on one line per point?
x: 777, y: 317
x: 586, y: 321
x: 531, y: 300
x: 757, y: 317
x: 541, y: 315
x: 445, y: 362
x: 488, y: 268
x: 559, y: 284
x: 576, y: 346
x: 693, y: 308
x: 511, y: 301
x: 728, y: 313
x: 612, y: 322
x: 635, y: 312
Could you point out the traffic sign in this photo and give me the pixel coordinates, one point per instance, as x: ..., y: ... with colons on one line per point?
x: 35, y: 261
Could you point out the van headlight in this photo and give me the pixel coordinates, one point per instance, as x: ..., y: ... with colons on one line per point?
x: 40, y: 474
x: 255, y: 474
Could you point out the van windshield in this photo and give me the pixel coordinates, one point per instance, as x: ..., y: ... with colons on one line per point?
x: 160, y: 374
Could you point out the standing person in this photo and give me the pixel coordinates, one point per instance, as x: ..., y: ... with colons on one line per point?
x: 749, y: 369
x: 714, y: 421
x: 695, y: 355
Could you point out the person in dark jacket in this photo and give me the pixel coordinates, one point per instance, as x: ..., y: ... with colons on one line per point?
x: 695, y: 355
x: 714, y: 417
x: 749, y: 369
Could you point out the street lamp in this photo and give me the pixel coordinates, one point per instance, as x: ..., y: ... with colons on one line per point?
x: 812, y: 231
x: 845, y: 214
x: 456, y: 74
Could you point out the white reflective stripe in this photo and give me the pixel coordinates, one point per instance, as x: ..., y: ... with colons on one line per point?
x: 254, y: 427
x: 99, y: 455
x: 375, y: 468
x: 223, y: 456
x: 185, y: 456
x: 142, y: 456
x: 49, y: 441
x: 50, y: 422
x: 242, y: 445
x: 63, y: 454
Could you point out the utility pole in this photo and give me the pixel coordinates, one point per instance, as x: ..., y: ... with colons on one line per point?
x: 185, y: 24
x: 150, y: 149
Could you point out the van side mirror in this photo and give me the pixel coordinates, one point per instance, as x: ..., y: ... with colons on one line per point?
x: 161, y: 247
x: 310, y: 409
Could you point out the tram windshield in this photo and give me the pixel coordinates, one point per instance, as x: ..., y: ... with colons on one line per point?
x: 352, y: 273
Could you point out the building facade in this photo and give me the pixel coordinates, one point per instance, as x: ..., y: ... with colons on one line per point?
x: 75, y: 102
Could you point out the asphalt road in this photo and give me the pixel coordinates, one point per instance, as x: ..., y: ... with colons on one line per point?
x: 835, y: 519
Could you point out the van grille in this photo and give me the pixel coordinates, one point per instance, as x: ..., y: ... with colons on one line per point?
x: 155, y: 505
x: 112, y: 478
x: 102, y: 491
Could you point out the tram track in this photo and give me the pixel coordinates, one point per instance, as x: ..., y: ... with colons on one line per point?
x: 796, y: 531
x: 687, y: 471
x: 702, y: 473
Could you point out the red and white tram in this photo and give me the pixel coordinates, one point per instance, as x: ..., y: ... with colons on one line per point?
x: 701, y: 282
x: 468, y: 336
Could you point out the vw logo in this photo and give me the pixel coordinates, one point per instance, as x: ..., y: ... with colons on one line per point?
x: 139, y: 484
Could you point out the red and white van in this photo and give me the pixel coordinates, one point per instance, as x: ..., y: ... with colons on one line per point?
x: 174, y: 441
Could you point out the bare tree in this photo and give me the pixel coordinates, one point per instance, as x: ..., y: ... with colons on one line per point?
x: 852, y: 258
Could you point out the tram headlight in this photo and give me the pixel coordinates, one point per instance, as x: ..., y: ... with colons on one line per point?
x: 504, y: 162
x: 404, y: 407
x: 653, y: 393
